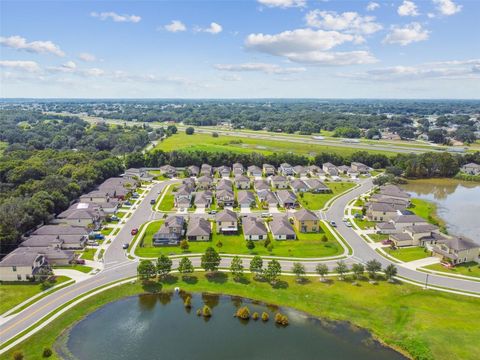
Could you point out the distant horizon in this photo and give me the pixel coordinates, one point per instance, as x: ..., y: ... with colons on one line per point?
x: 236, y: 98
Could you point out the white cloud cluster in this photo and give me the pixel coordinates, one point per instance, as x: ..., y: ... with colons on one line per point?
x: 447, y: 7
x: 214, y: 29
x: 22, y: 65
x: 283, y: 3
x: 410, y: 33
x: 116, y: 17
x: 372, y: 6
x: 87, y: 57
x: 408, y: 8
x: 175, y: 26
x: 350, y: 22
x: 261, y: 67
x: 309, y: 46
x: 39, y: 47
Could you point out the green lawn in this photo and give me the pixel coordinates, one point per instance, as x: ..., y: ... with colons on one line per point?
x: 314, y: 201
x: 427, y: 210
x: 307, y: 245
x: 378, y: 237
x: 467, y: 269
x: 168, y: 200
x: 88, y: 254
x: 408, y: 253
x: 365, y: 224
x: 78, y: 267
x: 401, y: 315
x: 12, y: 294
x: 106, y: 231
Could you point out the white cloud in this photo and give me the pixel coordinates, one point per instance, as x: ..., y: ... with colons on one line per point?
x: 87, y: 57
x: 350, y: 22
x: 116, y: 17
x: 23, y: 65
x: 39, y: 47
x: 333, y: 58
x: 262, y: 67
x: 95, y: 72
x: 372, y: 6
x: 283, y: 3
x: 463, y: 69
x: 214, y: 28
x: 408, y: 8
x: 175, y: 26
x: 231, y: 77
x: 70, y: 65
x: 447, y: 7
x: 413, y: 32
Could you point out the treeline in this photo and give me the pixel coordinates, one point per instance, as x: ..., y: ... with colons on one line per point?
x: 37, y: 184
x: 411, y: 165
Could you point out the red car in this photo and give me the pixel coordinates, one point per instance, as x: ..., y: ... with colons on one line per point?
x: 134, y: 231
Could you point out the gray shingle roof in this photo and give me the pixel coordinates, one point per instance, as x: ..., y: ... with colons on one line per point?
x: 281, y: 226
x: 198, y: 227
x: 254, y: 226
x: 226, y: 215
x: 245, y: 197
x: 61, y: 230
x: 21, y: 256
x: 305, y: 215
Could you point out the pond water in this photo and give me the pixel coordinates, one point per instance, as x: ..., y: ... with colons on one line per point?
x: 458, y: 203
x: 157, y: 326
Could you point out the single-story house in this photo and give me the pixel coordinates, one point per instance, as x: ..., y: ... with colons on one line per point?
x: 137, y: 174
x: 61, y: 230
x: 242, y: 182
x: 279, y: 182
x: 226, y: 222
x: 267, y: 197
x: 95, y: 196
x: 21, y: 264
x: 224, y: 184
x: 82, y: 214
x: 306, y: 221
x: 254, y: 228
x: 56, y: 256
x: 402, y: 221
x: 203, y: 199
x: 170, y: 232
x: 225, y: 197
x: 206, y: 170
x: 330, y: 169
x: 193, y: 170
x: 245, y: 199
x: 238, y: 169
x: 285, y: 169
x: 395, y: 192
x: 254, y: 170
x: 359, y: 167
x: 298, y: 186
x: 300, y: 171
x: 261, y: 184
x: 287, y: 199
x: 204, y: 182
x: 199, y: 229
x: 471, y: 169
x: 61, y: 241
x: 168, y: 171
x: 343, y: 169
x: 385, y: 228
x: 315, y: 171
x: 281, y: 229
x: 268, y: 169
x: 224, y: 171
x: 316, y: 186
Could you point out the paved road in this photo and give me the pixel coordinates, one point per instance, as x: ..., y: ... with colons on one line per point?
x: 117, y: 266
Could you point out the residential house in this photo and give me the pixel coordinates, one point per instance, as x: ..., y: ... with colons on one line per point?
x: 397, y: 203
x: 471, y: 169
x: 242, y: 182
x: 359, y: 167
x: 385, y: 228
x: 285, y: 169
x: 254, y: 170
x: 190, y: 182
x: 300, y: 171
x: 393, y: 191
x: 281, y: 229
x: 343, y: 169
x: 457, y: 250
x: 238, y: 169
x: 66, y: 242
x: 117, y: 188
x: 330, y: 169
x: 245, y: 199
x: 287, y: 199
x: 74, y: 237
x: 224, y: 171
x: 380, y: 212
x: 417, y: 235
x: 225, y: 197
x: 109, y: 207
x: 199, y: 229
x: 137, y: 174
x: 22, y: 264
x: 203, y: 199
x: 95, y: 196
x: 54, y: 256
x: 82, y: 214
x: 204, y: 182
x: 183, y: 196
x: 403, y: 221
x: 193, y: 170
x: 261, y: 184
x: 316, y: 186
x: 254, y: 228
x: 298, y: 186
x: 168, y: 171
x: 268, y: 169
x: 315, y: 171
x: 226, y: 222
x: 206, y: 170
x: 279, y: 182
x: 224, y: 184
x: 267, y: 197
x: 170, y: 232
x: 306, y: 221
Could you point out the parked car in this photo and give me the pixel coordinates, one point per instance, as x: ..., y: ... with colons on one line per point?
x: 152, y: 202
x: 332, y: 223
x: 266, y: 215
x: 212, y: 212
x: 79, y: 261
x: 114, y: 218
x: 125, y: 246
x: 358, y: 216
x: 348, y: 224
x: 96, y: 236
x: 134, y: 231
x: 128, y: 203
x: 386, y: 242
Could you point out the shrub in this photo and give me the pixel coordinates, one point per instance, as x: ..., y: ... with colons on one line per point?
x: 199, y: 312
x: 47, y: 352
x: 18, y: 355
x: 255, y: 316
x: 188, y: 302
x: 324, y: 238
x: 219, y: 244
x: 184, y: 245
x: 265, y: 316
x: 281, y: 319
x: 206, y: 311
x: 243, y: 313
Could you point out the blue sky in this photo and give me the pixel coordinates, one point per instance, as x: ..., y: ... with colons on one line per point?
x: 240, y: 49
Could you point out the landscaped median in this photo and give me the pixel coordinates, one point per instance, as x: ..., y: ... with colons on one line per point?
x: 400, y: 315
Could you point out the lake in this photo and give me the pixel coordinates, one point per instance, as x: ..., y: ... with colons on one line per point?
x: 157, y: 326
x: 458, y: 203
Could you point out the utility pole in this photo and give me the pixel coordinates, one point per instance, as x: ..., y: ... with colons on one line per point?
x: 426, y: 282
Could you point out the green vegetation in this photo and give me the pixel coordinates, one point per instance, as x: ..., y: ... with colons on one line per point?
x: 378, y: 237
x: 168, y: 200
x: 427, y: 210
x: 106, y: 231
x: 467, y: 269
x: 314, y: 201
x: 13, y: 294
x: 307, y: 245
x: 365, y: 224
x: 83, y: 268
x: 120, y: 214
x: 399, y: 314
x: 87, y: 254
x: 408, y: 253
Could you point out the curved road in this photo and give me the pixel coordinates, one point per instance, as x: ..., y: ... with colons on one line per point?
x: 118, y: 266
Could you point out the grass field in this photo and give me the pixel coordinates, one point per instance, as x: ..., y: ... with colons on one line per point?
x: 307, y: 245
x: 88, y: 254
x: 83, y: 268
x: 365, y: 224
x: 467, y: 269
x: 427, y: 210
x: 401, y: 315
x: 317, y: 201
x: 13, y: 294
x: 207, y: 142
x: 378, y: 237
x: 408, y: 253
x: 106, y: 231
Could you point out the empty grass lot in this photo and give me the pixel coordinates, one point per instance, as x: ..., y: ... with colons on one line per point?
x: 307, y: 245
x: 314, y: 201
x: 467, y: 269
x: 408, y: 253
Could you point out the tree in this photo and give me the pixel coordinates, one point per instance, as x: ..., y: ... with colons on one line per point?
x: 47, y: 352
x: 146, y: 270
x: 250, y: 245
x: 390, y: 272
x: 236, y: 268
x: 18, y: 355
x: 256, y: 266
x: 299, y: 270
x: 272, y: 272
x: 358, y: 270
x: 322, y: 270
x: 43, y: 274
x: 341, y: 269
x: 189, y: 130
x: 210, y: 260
x: 164, y: 265
x: 185, y: 266
x: 215, y: 134
x: 372, y: 267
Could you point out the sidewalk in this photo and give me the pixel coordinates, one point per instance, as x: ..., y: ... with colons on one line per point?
x: 421, y: 262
